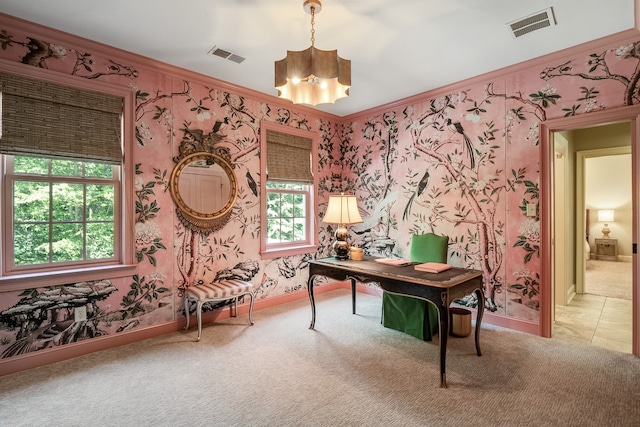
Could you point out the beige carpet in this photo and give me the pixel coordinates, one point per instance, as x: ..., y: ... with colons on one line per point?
x: 608, y: 279
x: 350, y: 371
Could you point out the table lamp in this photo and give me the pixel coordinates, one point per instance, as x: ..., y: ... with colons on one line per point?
x: 605, y: 216
x: 342, y: 210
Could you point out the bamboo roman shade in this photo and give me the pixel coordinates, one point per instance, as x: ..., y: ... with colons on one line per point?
x: 288, y: 157
x: 47, y: 119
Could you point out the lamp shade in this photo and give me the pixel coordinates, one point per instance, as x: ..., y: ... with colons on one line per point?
x: 342, y: 209
x: 605, y: 215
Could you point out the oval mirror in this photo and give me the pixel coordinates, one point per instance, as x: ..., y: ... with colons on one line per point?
x: 204, y: 189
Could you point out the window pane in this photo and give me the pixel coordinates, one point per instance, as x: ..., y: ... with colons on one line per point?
x: 33, y: 165
x: 68, y: 202
x: 68, y: 242
x: 299, y: 206
x: 273, y: 230
x: 31, y: 244
x: 66, y: 168
x: 299, y: 231
x: 100, y: 240
x: 287, y: 206
x: 98, y: 170
x: 100, y: 202
x: 31, y: 201
x: 273, y: 205
x: 286, y: 230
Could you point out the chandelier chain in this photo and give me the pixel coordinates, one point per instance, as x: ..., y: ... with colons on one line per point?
x: 313, y: 31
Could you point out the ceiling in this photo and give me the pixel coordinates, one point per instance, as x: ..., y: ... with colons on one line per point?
x: 397, y: 48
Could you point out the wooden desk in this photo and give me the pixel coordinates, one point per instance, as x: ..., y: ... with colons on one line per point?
x: 439, y: 289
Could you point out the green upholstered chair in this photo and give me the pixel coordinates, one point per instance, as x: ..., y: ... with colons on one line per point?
x: 414, y: 316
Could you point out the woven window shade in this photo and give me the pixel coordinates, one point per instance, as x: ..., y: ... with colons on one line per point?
x: 288, y: 157
x: 46, y: 119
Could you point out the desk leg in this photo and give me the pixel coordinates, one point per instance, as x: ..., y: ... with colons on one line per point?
x: 353, y: 295
x: 312, y: 300
x: 444, y: 334
x: 480, y: 296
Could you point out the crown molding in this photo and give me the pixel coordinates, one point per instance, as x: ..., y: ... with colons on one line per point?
x: 607, y: 42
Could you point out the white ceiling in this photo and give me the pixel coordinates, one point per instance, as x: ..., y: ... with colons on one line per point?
x: 398, y: 48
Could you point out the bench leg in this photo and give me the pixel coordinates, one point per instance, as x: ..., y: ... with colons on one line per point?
x: 199, y: 304
x: 199, y: 314
x: 251, y: 308
x: 186, y: 311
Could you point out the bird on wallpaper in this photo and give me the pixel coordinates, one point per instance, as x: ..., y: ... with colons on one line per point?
x: 216, y: 126
x: 252, y: 184
x: 421, y: 186
x: 379, y: 211
x: 457, y: 127
x: 39, y: 52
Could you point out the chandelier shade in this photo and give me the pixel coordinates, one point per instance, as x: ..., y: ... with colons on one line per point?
x: 313, y: 76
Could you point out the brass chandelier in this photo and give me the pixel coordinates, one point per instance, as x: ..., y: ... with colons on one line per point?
x: 313, y: 76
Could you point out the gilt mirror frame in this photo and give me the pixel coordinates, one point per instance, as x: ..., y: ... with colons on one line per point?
x: 197, y: 146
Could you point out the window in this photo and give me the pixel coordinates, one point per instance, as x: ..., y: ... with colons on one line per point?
x: 287, y: 212
x: 65, y: 184
x: 62, y: 212
x: 287, y: 191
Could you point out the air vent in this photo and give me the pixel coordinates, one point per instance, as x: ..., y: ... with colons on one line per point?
x: 537, y: 21
x: 225, y: 54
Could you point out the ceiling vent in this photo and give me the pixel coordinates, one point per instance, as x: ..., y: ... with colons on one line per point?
x: 225, y: 54
x: 537, y: 21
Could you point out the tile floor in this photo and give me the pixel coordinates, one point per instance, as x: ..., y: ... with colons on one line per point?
x: 600, y: 321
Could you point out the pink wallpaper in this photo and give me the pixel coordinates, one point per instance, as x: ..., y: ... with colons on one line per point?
x: 463, y: 164
x: 466, y: 164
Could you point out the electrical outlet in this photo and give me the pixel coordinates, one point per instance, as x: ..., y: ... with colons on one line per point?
x: 80, y: 314
x: 531, y: 209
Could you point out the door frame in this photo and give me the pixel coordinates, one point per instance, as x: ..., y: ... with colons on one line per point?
x: 547, y: 128
x: 559, y: 239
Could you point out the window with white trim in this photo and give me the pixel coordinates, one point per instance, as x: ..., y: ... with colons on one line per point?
x: 288, y: 157
x: 60, y: 212
x: 63, y: 175
x: 287, y: 212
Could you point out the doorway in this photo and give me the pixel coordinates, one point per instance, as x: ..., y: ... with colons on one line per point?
x: 549, y: 294
x: 592, y: 280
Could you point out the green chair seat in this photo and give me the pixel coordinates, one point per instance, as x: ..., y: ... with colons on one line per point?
x: 414, y: 316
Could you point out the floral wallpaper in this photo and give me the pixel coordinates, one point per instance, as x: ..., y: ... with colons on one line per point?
x: 169, y: 110
x: 464, y: 165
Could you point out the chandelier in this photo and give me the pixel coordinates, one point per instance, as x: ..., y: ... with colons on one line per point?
x: 313, y: 76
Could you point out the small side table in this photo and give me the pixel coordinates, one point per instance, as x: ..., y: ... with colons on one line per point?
x: 607, y: 249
